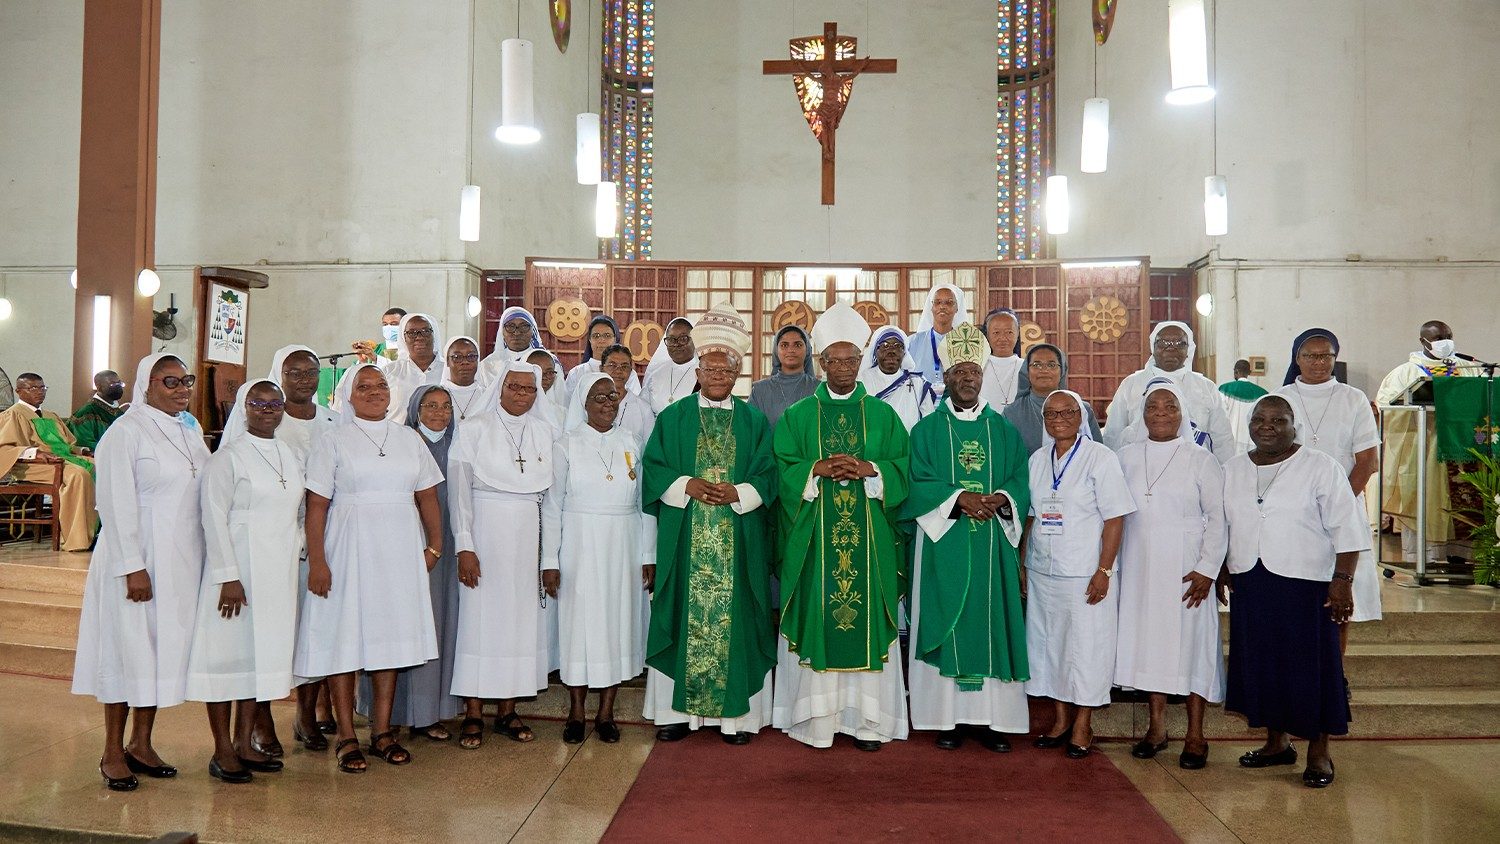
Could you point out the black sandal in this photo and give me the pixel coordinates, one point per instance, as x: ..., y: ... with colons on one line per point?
x: 393, y: 753
x: 347, y: 760
x: 510, y: 725
x: 471, y: 733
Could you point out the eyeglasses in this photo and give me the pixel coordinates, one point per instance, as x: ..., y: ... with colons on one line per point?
x: 265, y: 404
x: 472, y: 357
x: 517, y: 327
x: 523, y: 389
x: 890, y: 343
x: 299, y: 374
x: 617, y: 366
x: 1045, y: 364
x: 719, y: 371
x: 597, y: 336
x: 417, y: 333
x: 605, y: 398
x: 172, y: 382
x: 1320, y: 358
x: 1060, y: 414
x: 1165, y: 345
x: 841, y: 363
x: 432, y: 405
x: 680, y: 340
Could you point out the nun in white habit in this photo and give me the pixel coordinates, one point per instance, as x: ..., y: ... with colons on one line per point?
x: 945, y: 308
x: 462, y: 379
x: 516, y: 337
x: 418, y: 361
x: 635, y: 414
x: 889, y: 374
x: 374, y: 531
x: 1171, y: 554
x: 1172, y: 353
x: 668, y: 379
x: 1078, y: 503
x: 603, y: 332
x: 554, y: 397
x: 598, y: 554
x: 497, y: 475
x: 251, y: 493
x: 1004, y: 369
x: 141, y: 595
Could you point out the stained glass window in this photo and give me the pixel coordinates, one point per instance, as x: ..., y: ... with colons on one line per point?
x: 628, y: 46
x: 1023, y: 126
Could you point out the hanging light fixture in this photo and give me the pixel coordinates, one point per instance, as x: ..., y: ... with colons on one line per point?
x: 1094, y: 152
x: 604, y: 210
x: 148, y: 282
x: 1057, y: 205
x: 468, y: 213
x: 517, y: 107
x: 587, y: 151
x: 5, y: 307
x: 1215, y: 206
x: 1187, y: 46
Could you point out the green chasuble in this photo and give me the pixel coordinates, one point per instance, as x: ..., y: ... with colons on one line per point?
x: 88, y: 423
x: 840, y: 559
x: 1242, y: 390
x: 711, y: 611
x: 971, y: 625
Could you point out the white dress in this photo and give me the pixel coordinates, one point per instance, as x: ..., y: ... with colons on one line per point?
x: 149, y: 467
x: 1070, y: 644
x: 1178, y: 528
x: 668, y: 383
x: 466, y: 400
x: 1002, y: 381
x: 1203, y: 407
x: 636, y: 416
x: 495, y: 506
x: 251, y: 530
x: 303, y: 435
x: 404, y: 376
x: 594, y: 533
x: 912, y: 400
x: 1336, y: 419
x: 378, y: 613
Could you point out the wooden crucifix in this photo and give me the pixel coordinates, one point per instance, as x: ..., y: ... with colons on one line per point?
x: 823, y: 70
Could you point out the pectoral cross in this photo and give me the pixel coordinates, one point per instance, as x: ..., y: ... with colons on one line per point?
x: 823, y: 68
x: 283, y: 482
x: 521, y: 461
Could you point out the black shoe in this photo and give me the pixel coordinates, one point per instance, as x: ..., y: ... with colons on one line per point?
x: 867, y: 745
x: 1076, y: 751
x: 328, y: 728
x: 1193, y: 761
x: 160, y: 772
x: 1256, y: 759
x: 673, y: 732
x: 270, y: 766
x: 950, y: 739
x: 1318, y: 779
x: 607, y: 731
x: 129, y: 783
x: 234, y: 777
x: 1047, y: 742
x: 994, y: 742
x: 1144, y: 749
x: 573, y: 732
x: 736, y: 739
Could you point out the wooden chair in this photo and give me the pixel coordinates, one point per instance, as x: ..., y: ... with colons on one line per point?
x: 21, y: 505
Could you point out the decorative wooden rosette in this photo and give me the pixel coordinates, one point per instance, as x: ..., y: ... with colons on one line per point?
x: 641, y: 338
x: 568, y: 319
x: 1103, y: 319
x: 1031, y: 335
x: 875, y: 315
x: 792, y: 312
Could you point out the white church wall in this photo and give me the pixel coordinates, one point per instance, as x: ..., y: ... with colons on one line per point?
x: 737, y: 169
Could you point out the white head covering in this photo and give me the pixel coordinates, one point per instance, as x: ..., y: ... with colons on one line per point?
x: 236, y: 420
x: 577, y: 412
x: 447, y: 376
x: 237, y: 425
x: 1187, y: 363
x: 1139, y: 433
x: 1048, y: 441
x: 345, y: 391
x: 869, y: 371
x: 489, y: 400
x: 509, y: 314
x: 839, y: 324
x: 437, y: 335
x: 661, y: 357
x: 961, y: 315
x: 278, y: 360
x: 143, y: 376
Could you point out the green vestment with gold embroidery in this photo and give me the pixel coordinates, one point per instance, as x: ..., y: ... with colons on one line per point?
x: 971, y: 623
x: 840, y: 557
x: 711, y: 611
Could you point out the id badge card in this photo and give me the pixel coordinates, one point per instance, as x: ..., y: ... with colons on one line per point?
x: 1050, y: 517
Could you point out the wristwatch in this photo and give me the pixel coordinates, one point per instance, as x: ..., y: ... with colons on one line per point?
x: 1338, y: 575
x: 1108, y: 572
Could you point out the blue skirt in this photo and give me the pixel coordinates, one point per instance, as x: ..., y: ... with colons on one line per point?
x: 1285, y: 670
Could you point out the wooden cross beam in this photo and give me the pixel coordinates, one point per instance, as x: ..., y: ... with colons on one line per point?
x: 835, y: 78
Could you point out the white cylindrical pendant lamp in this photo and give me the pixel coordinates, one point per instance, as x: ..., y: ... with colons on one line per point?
x: 517, y: 107
x: 1094, y: 153
x: 1187, y: 46
x: 604, y: 210
x: 1215, y: 206
x: 148, y: 282
x: 6, y: 309
x: 1057, y: 205
x: 587, y: 154
x: 468, y: 213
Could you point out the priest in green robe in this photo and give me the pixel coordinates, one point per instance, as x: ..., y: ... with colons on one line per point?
x: 842, y: 455
x: 969, y: 496
x: 88, y: 423
x: 710, y: 481
x: 31, y: 441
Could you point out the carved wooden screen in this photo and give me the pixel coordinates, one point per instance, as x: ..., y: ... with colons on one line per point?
x: 1106, y: 328
x: 920, y: 280
x: 551, y: 295
x: 499, y: 290
x: 643, y: 299
x: 705, y: 287
x: 1031, y: 291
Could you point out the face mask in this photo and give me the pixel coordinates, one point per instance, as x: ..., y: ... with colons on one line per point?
x: 431, y: 435
x: 391, y: 333
x: 1442, y: 349
x: 113, y: 393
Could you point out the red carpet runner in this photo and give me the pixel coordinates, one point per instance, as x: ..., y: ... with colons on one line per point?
x: 700, y: 789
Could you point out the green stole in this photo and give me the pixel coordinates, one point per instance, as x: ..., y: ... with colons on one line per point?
x: 841, y: 561
x: 711, y: 610
x: 1242, y: 390
x: 47, y: 430
x: 971, y: 625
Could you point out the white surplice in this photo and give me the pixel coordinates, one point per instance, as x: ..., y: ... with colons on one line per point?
x: 494, y: 503
x: 252, y: 534
x: 594, y: 533
x: 1177, y: 528
x: 304, y: 435
x: 378, y: 613
x: 1336, y: 419
x: 1002, y: 381
x: 149, y: 467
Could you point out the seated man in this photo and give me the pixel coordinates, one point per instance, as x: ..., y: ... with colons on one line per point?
x: 88, y: 423
x: 30, y: 440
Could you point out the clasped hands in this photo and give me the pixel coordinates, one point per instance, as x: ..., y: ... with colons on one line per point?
x: 844, y: 467
x: 712, y: 494
x: 982, y: 508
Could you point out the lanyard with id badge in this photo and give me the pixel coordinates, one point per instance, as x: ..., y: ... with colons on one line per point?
x: 1050, y: 513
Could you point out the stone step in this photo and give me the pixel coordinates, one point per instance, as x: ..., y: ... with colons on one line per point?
x: 37, y: 654
x: 27, y: 611
x: 1415, y: 664
x: 43, y: 578
x: 1445, y: 626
